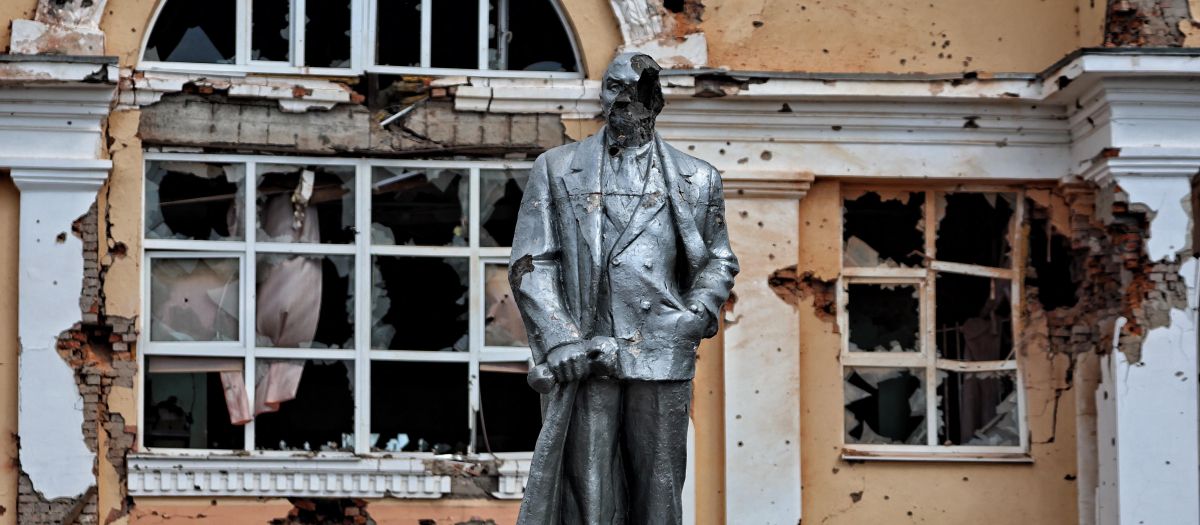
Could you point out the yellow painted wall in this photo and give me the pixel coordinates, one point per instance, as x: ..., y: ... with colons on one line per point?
x: 10, y: 220
x: 888, y: 491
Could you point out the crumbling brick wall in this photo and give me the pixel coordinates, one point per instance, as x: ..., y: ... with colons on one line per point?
x: 1145, y: 23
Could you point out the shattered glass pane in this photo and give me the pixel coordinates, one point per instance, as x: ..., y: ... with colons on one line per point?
x: 398, y: 33
x: 421, y: 407
x: 196, y: 32
x: 884, y: 317
x: 271, y: 30
x: 883, y: 228
x: 420, y: 303
x: 885, y: 405
x: 327, y: 33
x: 973, y: 317
x: 305, y: 204
x: 418, y: 206
x: 194, y: 299
x: 510, y: 416
x: 500, y: 193
x: 502, y: 323
x: 317, y: 414
x: 455, y: 37
x: 980, y: 409
x: 195, y: 200
x: 539, y: 40
x: 305, y: 301
x: 973, y: 228
x: 187, y: 409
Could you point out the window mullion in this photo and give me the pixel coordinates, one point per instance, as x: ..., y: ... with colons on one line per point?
x: 475, y: 306
x: 358, y: 31
x: 482, y: 41
x: 362, y: 308
x: 1018, y: 259
x: 426, y: 32
x: 242, y: 17
x: 299, y: 15
x: 249, y: 289
x: 929, y: 318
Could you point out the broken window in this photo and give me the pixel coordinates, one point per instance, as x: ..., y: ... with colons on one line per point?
x: 455, y: 34
x: 1053, y: 267
x: 925, y: 307
x: 327, y: 33
x: 528, y: 36
x: 194, y: 200
x: 310, y: 204
x: 197, y: 32
x: 271, y: 30
x: 433, y: 302
x: 398, y: 33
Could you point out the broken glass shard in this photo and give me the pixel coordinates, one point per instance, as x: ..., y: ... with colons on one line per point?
x: 195, y: 201
x: 973, y: 317
x: 194, y: 299
x: 419, y: 206
x: 980, y: 409
x: 884, y: 405
x: 974, y: 228
x: 502, y: 323
x: 500, y: 193
x: 883, y: 228
x: 305, y: 204
x: 305, y: 301
x: 196, y: 32
x: 884, y: 317
x: 186, y: 405
x: 420, y: 303
x: 420, y: 406
x: 320, y: 411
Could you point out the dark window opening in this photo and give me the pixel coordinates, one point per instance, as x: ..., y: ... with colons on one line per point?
x: 539, y: 40
x: 197, y: 32
x: 305, y: 301
x: 500, y: 193
x: 674, y: 6
x: 271, y: 30
x: 454, y: 40
x: 884, y: 318
x: 975, y: 228
x: 327, y: 33
x: 510, y: 417
x: 1053, y: 267
x: 420, y: 303
x: 974, y: 318
x: 426, y: 207
x: 332, y: 198
x: 420, y: 407
x: 980, y: 409
x: 885, y: 406
x: 187, y: 410
x: 881, y: 232
x: 398, y: 33
x: 321, y: 417
x: 188, y: 200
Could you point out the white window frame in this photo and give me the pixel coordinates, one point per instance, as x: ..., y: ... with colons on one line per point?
x: 362, y: 43
x: 925, y: 279
x: 362, y: 355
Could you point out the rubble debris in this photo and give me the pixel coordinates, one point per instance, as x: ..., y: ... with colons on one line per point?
x: 510, y: 413
x: 327, y: 34
x: 185, y: 404
x: 793, y: 289
x: 980, y: 409
x: 426, y: 403
x: 884, y: 405
x: 884, y: 317
x: 320, y: 418
x: 429, y: 313
x: 502, y: 322
x: 425, y: 207
x: 975, y: 228
x: 883, y: 228
x: 60, y: 28
x: 194, y: 32
x: 194, y: 299
x: 973, y: 318
x: 195, y: 200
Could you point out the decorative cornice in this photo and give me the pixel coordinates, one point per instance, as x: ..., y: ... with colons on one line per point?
x: 295, y: 95
x: 1144, y: 162
x: 85, y: 175
x: 766, y: 188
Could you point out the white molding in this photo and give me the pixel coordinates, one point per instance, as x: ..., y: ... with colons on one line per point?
x: 82, y: 175
x: 294, y: 95
x: 1144, y: 162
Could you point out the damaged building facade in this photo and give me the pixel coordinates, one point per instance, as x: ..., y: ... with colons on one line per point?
x: 256, y: 268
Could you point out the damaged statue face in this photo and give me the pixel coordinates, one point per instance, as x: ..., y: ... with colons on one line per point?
x: 631, y: 98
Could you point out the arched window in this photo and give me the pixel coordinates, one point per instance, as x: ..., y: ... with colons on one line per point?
x: 338, y: 37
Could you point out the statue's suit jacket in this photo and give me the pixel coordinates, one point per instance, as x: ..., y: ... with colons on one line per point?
x: 673, y: 252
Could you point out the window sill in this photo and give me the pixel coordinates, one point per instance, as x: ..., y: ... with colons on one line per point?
x: 945, y: 454
x: 326, y: 476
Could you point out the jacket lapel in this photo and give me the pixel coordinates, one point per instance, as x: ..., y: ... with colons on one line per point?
x: 583, y: 185
x: 681, y: 209
x: 654, y: 197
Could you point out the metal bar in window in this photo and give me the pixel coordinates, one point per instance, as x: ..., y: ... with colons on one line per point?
x: 504, y: 252
x: 363, y: 274
x: 143, y: 336
x: 421, y: 251
x: 299, y: 16
x: 975, y: 366
x: 370, y: 52
x: 189, y: 245
x: 428, y: 356
x: 482, y: 40
x: 502, y: 354
x: 908, y: 273
x: 426, y: 33
x: 1018, y: 258
x: 197, y: 349
x: 304, y: 353
x: 491, y: 73
x: 475, y: 306
x: 843, y: 317
x: 929, y: 315
x: 358, y: 21
x: 884, y: 359
x: 250, y: 295
x: 971, y: 269
x: 305, y: 248
x: 241, y: 54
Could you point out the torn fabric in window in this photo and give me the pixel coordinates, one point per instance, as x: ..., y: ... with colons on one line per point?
x: 320, y: 417
x: 306, y: 204
x: 980, y: 409
x: 419, y: 406
x: 500, y: 193
x: 975, y: 228
x: 398, y: 33
x: 195, y: 200
x: 271, y: 30
x: 194, y: 299
x: 305, y: 301
x: 883, y: 228
x: 425, y: 207
x: 510, y: 414
x: 420, y: 303
x: 884, y: 317
x: 974, y: 318
x: 502, y: 322
x: 186, y: 403
x: 196, y: 32
x: 327, y: 33
x: 884, y: 405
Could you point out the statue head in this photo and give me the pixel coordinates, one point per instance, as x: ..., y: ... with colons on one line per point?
x: 631, y: 98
